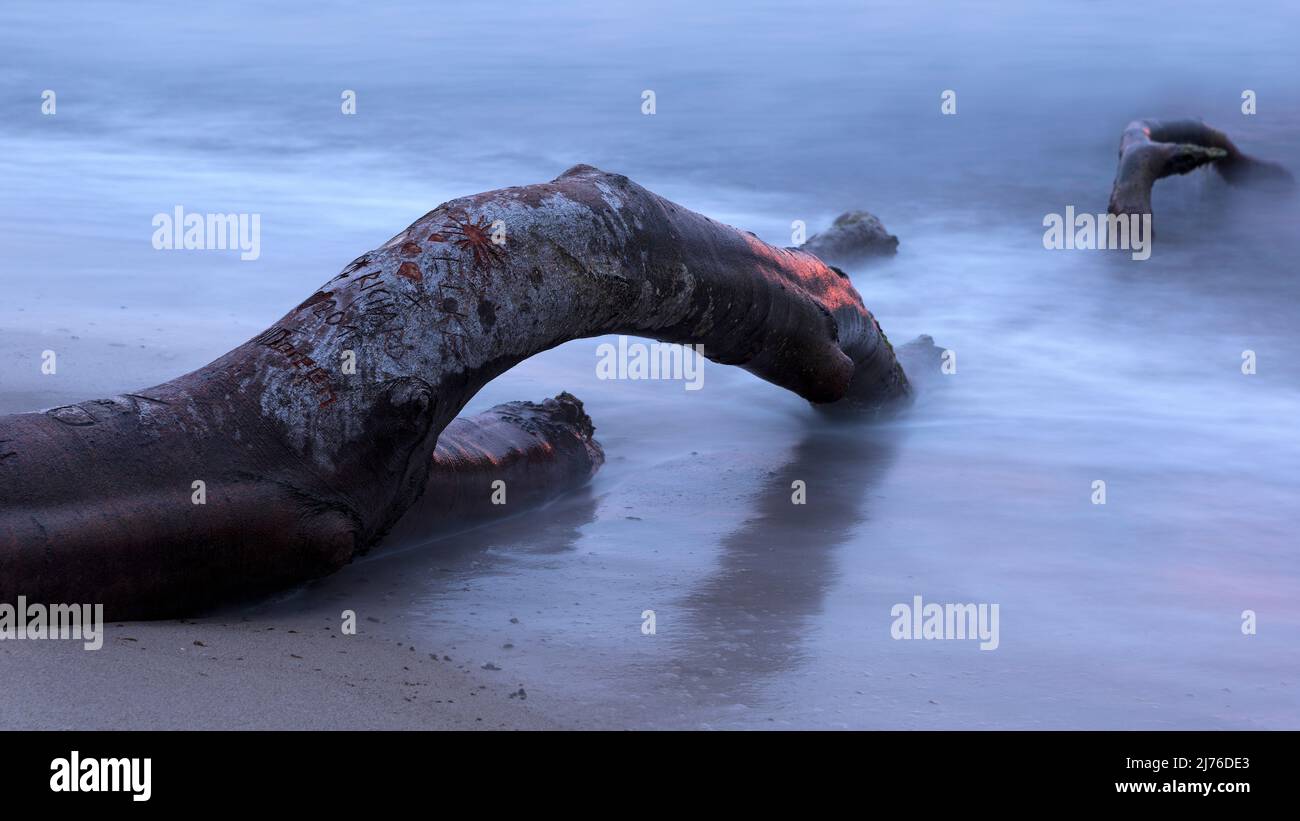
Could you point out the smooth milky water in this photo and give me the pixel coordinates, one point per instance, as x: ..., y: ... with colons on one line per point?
x: 1073, y: 366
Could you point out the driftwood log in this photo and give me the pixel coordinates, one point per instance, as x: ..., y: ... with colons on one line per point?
x: 538, y: 451
x: 306, y: 465
x: 1152, y: 149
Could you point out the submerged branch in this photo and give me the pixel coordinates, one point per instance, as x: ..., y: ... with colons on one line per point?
x: 1152, y: 149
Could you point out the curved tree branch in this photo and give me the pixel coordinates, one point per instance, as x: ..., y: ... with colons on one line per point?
x: 305, y: 465
x: 1152, y: 149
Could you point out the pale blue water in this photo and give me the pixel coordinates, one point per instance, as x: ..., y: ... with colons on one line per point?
x: 1073, y: 366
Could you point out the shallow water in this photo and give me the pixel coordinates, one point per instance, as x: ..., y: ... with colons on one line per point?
x: 1073, y: 366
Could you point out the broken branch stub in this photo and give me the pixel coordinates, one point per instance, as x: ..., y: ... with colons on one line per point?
x: 304, y: 465
x: 1152, y: 149
x: 536, y: 451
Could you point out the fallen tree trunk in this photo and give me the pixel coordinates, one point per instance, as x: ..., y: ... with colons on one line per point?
x: 148, y: 551
x: 304, y: 464
x: 1152, y: 149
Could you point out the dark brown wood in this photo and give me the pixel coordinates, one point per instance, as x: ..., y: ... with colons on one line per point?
x: 1152, y: 149
x: 305, y: 465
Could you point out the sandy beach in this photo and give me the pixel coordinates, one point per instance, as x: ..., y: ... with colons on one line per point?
x: 282, y: 673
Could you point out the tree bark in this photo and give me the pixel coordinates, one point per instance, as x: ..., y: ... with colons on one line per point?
x: 305, y: 465
x: 536, y: 452
x: 1152, y: 149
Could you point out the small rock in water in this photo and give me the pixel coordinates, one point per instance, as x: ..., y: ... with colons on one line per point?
x: 853, y: 236
x: 920, y: 358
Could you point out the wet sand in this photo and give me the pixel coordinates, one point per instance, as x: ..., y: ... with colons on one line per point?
x: 292, y: 673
